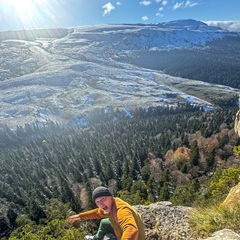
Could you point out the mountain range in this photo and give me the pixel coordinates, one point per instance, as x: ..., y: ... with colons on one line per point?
x: 61, y: 75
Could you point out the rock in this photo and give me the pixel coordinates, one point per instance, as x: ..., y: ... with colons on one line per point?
x: 163, y: 221
x: 237, y: 123
x: 233, y: 197
x: 224, y: 234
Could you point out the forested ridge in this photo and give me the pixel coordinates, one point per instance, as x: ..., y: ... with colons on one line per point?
x: 151, y: 155
x: 217, y: 62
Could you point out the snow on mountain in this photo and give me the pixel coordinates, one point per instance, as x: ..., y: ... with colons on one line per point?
x: 135, y: 37
x: 60, y: 75
x: 232, y: 26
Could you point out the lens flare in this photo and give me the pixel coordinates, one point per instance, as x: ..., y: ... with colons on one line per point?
x: 32, y: 13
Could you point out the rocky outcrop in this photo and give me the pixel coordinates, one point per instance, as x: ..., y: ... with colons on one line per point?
x: 237, y: 123
x: 163, y: 221
x: 233, y: 197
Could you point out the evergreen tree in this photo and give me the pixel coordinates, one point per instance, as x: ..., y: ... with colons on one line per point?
x: 210, y: 158
x: 195, y: 155
x: 164, y: 192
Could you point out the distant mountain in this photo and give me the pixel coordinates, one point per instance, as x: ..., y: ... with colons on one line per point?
x: 61, y: 74
x: 232, y: 26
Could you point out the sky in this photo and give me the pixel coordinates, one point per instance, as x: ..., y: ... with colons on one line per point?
x: 30, y: 14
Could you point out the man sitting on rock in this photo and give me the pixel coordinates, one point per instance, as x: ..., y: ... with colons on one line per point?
x: 118, y: 217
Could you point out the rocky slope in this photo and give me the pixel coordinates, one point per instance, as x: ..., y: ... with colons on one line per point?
x: 163, y: 221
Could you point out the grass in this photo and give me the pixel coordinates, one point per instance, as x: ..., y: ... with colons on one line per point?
x: 203, y: 91
x: 205, y: 221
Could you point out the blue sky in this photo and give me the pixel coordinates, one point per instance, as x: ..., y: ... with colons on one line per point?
x: 26, y: 14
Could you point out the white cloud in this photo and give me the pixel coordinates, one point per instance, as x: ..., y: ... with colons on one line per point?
x: 118, y: 3
x: 184, y: 5
x: 178, y: 5
x: 164, y: 3
x: 232, y: 26
x: 159, y: 15
x: 160, y: 9
x: 145, y: 3
x: 108, y: 8
x: 190, y: 4
x: 144, y: 18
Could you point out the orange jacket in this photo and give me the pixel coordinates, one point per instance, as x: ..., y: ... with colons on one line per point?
x: 126, y: 221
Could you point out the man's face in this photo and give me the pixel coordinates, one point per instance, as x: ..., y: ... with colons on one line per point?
x: 105, y: 203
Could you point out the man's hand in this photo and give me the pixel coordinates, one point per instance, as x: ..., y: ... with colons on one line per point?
x: 73, y: 218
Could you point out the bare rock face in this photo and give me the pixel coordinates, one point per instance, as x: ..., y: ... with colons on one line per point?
x: 233, y: 197
x: 237, y: 123
x: 163, y: 221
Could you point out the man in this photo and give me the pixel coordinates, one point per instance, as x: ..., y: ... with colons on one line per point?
x: 125, y: 221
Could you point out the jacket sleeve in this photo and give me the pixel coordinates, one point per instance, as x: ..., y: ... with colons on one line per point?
x: 127, y: 224
x: 96, y: 213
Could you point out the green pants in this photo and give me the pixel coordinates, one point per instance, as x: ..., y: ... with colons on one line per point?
x: 105, y: 228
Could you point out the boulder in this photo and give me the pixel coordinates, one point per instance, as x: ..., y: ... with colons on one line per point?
x: 233, y: 197
x: 163, y: 221
x: 224, y: 234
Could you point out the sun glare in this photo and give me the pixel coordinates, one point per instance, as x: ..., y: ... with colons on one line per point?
x: 29, y: 14
x: 23, y: 8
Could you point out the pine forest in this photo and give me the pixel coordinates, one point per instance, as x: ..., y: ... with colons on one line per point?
x: 156, y: 154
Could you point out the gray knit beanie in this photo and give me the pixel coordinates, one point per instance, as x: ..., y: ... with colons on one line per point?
x: 100, y: 192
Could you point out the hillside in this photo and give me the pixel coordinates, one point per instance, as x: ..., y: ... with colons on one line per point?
x: 177, y: 154
x: 147, y: 110
x: 61, y: 75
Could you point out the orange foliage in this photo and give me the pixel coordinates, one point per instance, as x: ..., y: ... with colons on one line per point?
x: 169, y: 154
x: 210, y: 144
x: 182, y: 154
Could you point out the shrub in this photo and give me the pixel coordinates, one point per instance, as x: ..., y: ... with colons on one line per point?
x: 220, y: 186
